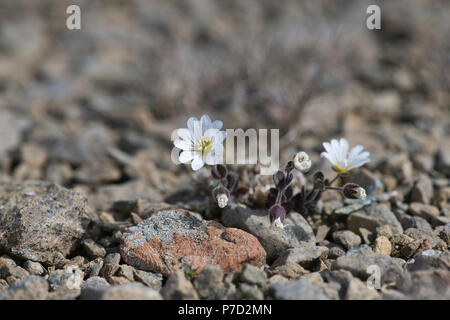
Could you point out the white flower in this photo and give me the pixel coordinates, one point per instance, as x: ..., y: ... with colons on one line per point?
x: 201, y: 142
x: 277, y: 224
x: 302, y: 162
x: 222, y: 200
x: 361, y: 193
x: 343, y: 160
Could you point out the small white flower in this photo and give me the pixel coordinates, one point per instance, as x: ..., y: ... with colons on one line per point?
x: 277, y: 224
x: 201, y: 142
x: 222, y: 200
x: 302, y: 162
x: 343, y: 160
x: 361, y: 193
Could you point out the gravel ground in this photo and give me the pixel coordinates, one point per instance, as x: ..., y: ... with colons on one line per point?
x: 92, y: 207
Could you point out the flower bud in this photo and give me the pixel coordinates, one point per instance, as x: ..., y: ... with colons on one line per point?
x: 354, y: 191
x: 221, y: 195
x: 277, y: 214
x: 319, y: 181
x: 302, y: 162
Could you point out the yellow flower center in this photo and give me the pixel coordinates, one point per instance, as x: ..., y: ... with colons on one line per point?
x: 204, y: 146
x: 337, y: 169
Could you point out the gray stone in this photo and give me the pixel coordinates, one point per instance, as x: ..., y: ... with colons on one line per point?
x: 305, y: 255
x: 444, y: 233
x: 253, y: 275
x: 110, y: 265
x: 373, y: 216
x: 126, y: 271
x: 95, y: 266
x: 299, y: 289
x: 335, y: 252
x: 150, y: 279
x: 70, y: 278
x: 94, y: 283
x: 12, y: 273
x: 426, y: 284
x: 227, y: 292
x: 129, y: 291
x: 3, y: 285
x: 428, y: 212
x: 296, y: 232
x: 443, y: 161
x: 427, y: 261
x: 420, y: 234
x: 12, y: 127
x: 289, y: 270
x: 408, y: 221
x: 93, y: 249
x: 34, y: 267
x: 177, y: 287
x: 6, y: 261
x: 209, y: 282
x: 422, y: 191
x: 251, y: 292
x: 358, y: 290
x: 39, y: 220
x: 31, y: 288
x: 357, y: 263
x: 368, y: 181
x: 347, y: 239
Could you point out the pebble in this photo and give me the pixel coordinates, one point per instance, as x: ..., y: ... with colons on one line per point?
x: 30, y: 288
x: 70, y: 278
x: 253, y: 275
x: 358, y: 262
x: 347, y: 239
x: 34, y: 267
x: 129, y: 291
x: 93, y: 249
x: 296, y: 232
x: 152, y: 280
x: 251, y: 292
x: 383, y: 245
x: 299, y: 289
x: 209, y: 283
x: 177, y: 287
x: 372, y: 217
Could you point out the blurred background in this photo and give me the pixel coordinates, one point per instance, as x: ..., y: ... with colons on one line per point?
x: 93, y: 109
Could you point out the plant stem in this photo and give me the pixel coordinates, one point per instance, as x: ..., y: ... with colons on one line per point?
x: 334, y: 179
x: 334, y: 188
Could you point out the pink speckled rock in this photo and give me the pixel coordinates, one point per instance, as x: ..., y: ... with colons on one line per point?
x: 171, y: 238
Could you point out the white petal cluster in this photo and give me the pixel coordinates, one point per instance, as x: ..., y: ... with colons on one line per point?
x: 341, y: 159
x: 361, y: 193
x: 302, y: 162
x: 222, y: 200
x: 277, y: 224
x: 201, y: 142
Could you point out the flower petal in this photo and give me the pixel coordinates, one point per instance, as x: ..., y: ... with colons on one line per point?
x: 219, y: 149
x: 186, y: 156
x: 211, y: 133
x: 327, y: 155
x: 331, y: 156
x: 217, y: 124
x: 211, y: 159
x: 197, y: 163
x: 205, y: 122
x: 190, y: 123
x: 184, y: 134
x: 344, y: 148
x: 356, y: 150
x: 182, y: 144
